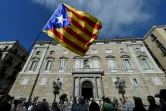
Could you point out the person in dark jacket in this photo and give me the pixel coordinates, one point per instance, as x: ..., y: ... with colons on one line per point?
x: 55, y: 107
x: 4, y: 103
x: 138, y: 104
x: 153, y: 106
x: 94, y: 106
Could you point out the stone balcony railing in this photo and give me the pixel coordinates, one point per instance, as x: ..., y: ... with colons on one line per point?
x: 87, y: 70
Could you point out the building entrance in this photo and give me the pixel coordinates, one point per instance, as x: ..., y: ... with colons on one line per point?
x: 87, y: 89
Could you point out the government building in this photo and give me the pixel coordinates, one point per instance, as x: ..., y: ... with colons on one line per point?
x: 12, y: 59
x: 94, y: 74
x: 155, y: 42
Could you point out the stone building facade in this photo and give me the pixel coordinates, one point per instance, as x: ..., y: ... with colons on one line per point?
x: 92, y: 75
x: 12, y: 59
x: 155, y: 41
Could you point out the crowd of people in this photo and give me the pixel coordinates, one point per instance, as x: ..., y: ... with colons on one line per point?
x: 8, y: 103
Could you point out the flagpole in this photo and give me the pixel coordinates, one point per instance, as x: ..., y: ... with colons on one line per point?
x: 31, y: 48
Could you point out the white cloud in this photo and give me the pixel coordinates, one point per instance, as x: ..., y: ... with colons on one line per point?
x: 119, y: 17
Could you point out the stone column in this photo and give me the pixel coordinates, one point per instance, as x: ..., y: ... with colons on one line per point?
x: 41, y: 59
x: 101, y: 85
x: 78, y: 86
x: 96, y: 90
x: 27, y: 62
x: 73, y: 87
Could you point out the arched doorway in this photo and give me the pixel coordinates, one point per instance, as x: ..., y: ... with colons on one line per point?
x: 87, y: 89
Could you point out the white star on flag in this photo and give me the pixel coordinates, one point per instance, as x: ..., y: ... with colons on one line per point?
x: 61, y: 19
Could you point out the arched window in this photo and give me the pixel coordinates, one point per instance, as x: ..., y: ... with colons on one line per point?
x: 33, y: 64
x: 96, y: 62
x: 62, y: 63
x: 111, y: 63
x: 78, y: 63
x: 145, y: 62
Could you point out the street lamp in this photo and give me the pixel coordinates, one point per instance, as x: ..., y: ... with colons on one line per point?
x: 120, y: 85
x: 56, y: 86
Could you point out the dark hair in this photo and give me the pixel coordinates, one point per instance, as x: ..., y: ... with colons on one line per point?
x: 152, y: 98
x: 138, y: 102
x: 163, y: 93
x: 44, y: 99
x: 106, y: 100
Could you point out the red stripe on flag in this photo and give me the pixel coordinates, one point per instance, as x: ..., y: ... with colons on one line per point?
x: 77, y: 36
x: 85, y: 19
x: 87, y: 32
x: 64, y: 39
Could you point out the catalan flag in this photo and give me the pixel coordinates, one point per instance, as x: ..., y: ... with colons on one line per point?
x: 73, y: 29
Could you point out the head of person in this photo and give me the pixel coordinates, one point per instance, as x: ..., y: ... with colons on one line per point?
x: 91, y: 99
x: 151, y: 100
x: 54, y: 104
x: 163, y: 94
x: 106, y: 100
x: 44, y: 99
x: 81, y: 100
x: 126, y: 99
x: 138, y: 102
x: 6, y: 98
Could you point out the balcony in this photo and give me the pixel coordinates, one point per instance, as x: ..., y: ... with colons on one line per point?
x: 121, y: 70
x: 88, y: 70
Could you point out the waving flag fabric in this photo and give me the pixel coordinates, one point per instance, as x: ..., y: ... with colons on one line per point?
x: 73, y: 29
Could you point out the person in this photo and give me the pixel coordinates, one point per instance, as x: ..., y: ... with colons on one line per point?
x: 128, y: 105
x: 55, y: 107
x: 42, y: 106
x: 107, y: 106
x: 153, y: 106
x: 80, y: 105
x: 91, y: 100
x: 162, y: 106
x: 94, y: 106
x: 138, y: 104
x: 4, y: 104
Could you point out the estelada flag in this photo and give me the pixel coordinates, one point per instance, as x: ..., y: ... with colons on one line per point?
x: 73, y: 29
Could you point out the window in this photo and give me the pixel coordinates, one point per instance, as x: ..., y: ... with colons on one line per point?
x: 25, y: 80
x: 163, y: 50
x: 153, y: 37
x: 156, y: 81
x: 32, y: 67
x: 38, y: 52
x: 43, y: 81
x: 77, y: 64
x: 138, y: 50
x: 112, y: 65
x: 145, y: 63
x: 64, y: 52
x: 52, y: 52
x: 134, y: 81
x: 158, y: 43
x: 48, y: 65
x: 118, y: 42
x: 15, y: 51
x: 96, y: 63
x: 122, y: 50
x: 127, y: 63
x: 94, y: 51
x: 6, y: 47
x: 108, y: 51
x: 62, y: 65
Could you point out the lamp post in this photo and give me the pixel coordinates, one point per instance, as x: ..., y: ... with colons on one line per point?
x: 56, y: 86
x: 120, y: 85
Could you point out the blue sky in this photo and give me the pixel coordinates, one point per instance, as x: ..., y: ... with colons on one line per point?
x: 24, y: 19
